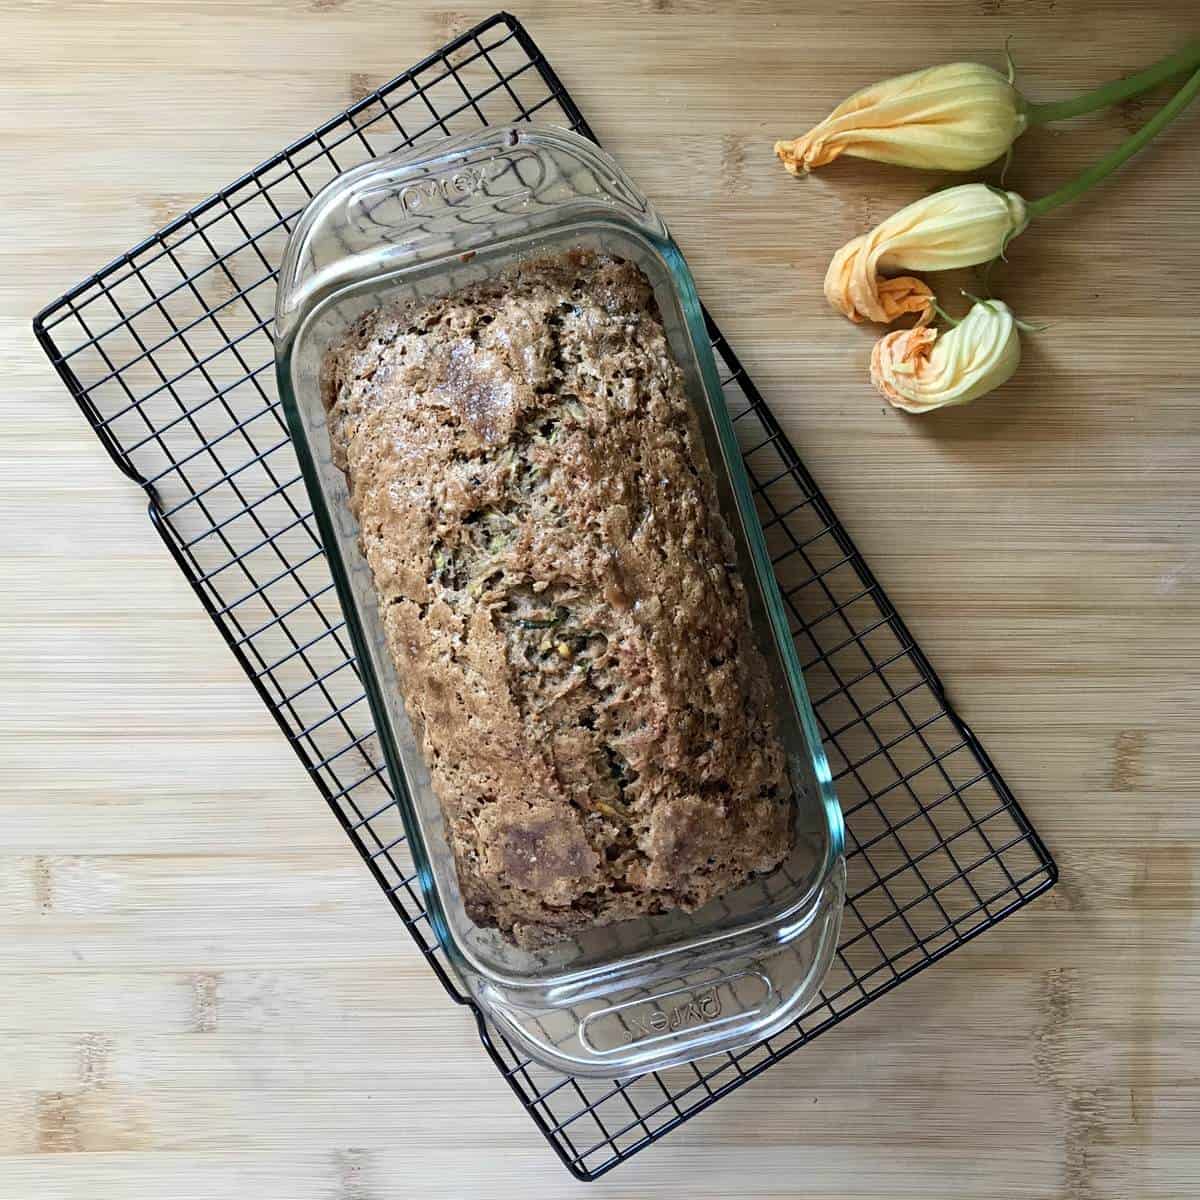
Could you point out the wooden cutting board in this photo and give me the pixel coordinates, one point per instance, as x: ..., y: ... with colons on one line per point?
x: 202, y: 993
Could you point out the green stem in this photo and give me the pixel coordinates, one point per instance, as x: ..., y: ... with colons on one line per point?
x: 953, y: 322
x: 1127, y: 149
x: 1186, y: 61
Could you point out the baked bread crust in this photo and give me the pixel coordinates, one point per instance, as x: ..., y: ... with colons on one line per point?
x: 561, y: 598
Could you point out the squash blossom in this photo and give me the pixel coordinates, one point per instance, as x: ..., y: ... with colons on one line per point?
x: 958, y: 227
x: 921, y: 369
x: 956, y: 117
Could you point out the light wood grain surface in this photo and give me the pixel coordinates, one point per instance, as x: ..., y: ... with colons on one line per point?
x: 203, y: 994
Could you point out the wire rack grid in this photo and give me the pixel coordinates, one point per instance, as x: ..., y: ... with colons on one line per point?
x: 168, y: 351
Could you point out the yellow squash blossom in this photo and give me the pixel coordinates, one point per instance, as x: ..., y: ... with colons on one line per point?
x: 958, y: 227
x: 956, y: 117
x: 919, y: 370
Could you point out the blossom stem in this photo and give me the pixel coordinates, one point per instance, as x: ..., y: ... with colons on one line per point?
x: 1113, y: 92
x: 1127, y: 149
x: 953, y: 322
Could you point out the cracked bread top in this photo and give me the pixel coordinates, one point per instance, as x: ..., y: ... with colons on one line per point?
x: 560, y: 594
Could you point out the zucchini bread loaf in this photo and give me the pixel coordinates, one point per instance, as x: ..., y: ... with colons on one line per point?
x: 560, y: 596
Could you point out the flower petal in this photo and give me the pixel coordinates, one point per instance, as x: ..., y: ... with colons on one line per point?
x: 957, y: 227
x: 919, y: 370
x: 955, y: 117
x: 858, y: 292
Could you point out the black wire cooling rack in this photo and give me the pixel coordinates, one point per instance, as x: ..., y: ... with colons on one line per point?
x: 168, y: 351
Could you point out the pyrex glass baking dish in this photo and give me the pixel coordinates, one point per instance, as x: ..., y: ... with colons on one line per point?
x: 644, y: 993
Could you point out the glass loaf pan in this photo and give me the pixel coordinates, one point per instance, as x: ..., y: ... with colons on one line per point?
x: 654, y: 991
